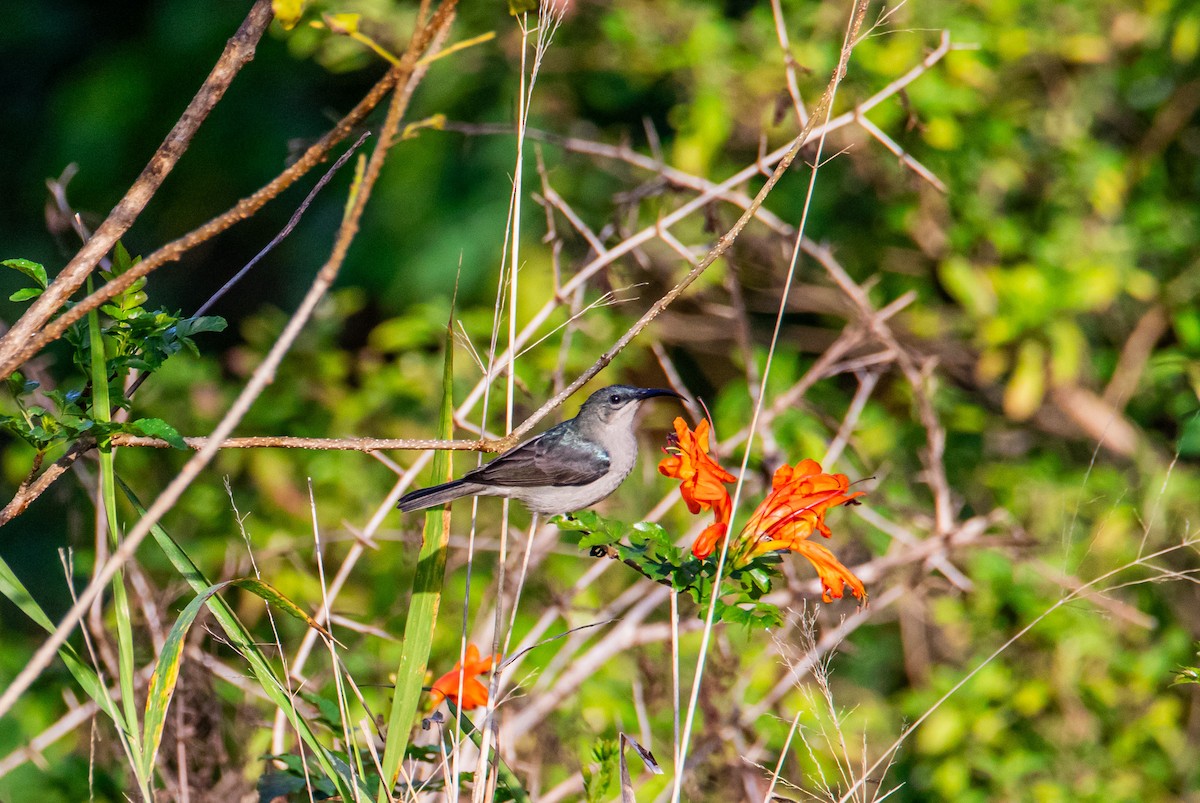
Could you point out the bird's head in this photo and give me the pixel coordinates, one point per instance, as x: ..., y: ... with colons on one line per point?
x: 615, y: 406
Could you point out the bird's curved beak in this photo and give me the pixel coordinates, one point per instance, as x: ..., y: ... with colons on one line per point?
x: 650, y: 393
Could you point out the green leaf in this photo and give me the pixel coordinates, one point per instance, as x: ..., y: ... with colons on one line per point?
x: 31, y: 269
x: 596, y: 529
x: 26, y: 293
x: 654, y: 533
x: 761, y: 578
x: 157, y: 428
x: 518, y: 7
x: 166, y: 668
x: 18, y: 385
x: 121, y: 260
x: 428, y: 577
x: 1027, y: 385
x: 598, y: 778
x: 242, y: 642
x: 331, y: 715
x: 187, y: 327
x: 12, y: 588
x: 601, y: 537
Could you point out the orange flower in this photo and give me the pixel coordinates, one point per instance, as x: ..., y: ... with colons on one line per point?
x: 474, y: 693
x: 793, y: 510
x: 703, y: 486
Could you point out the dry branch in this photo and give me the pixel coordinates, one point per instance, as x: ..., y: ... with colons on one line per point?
x: 321, y: 444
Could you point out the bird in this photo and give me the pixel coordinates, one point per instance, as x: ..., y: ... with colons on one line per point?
x: 567, y: 468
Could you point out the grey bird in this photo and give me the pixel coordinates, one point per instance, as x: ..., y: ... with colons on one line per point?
x: 568, y: 467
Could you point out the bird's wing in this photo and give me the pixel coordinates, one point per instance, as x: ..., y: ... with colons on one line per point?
x: 556, y: 457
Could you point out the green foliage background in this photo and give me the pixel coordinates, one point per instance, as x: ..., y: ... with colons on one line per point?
x: 1068, y: 137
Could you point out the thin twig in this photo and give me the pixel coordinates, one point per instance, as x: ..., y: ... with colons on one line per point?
x: 318, y: 444
x: 30, y: 491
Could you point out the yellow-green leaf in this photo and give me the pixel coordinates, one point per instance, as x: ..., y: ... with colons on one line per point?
x: 288, y: 12
x: 166, y: 669
x: 1027, y: 385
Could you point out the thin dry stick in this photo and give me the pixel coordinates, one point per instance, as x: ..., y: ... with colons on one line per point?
x: 343, y: 705
x: 866, y: 386
x: 789, y: 63
x: 20, y: 343
x: 905, y: 157
x: 258, y: 382
x: 291, y: 442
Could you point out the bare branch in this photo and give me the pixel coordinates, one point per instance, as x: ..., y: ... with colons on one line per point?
x: 319, y: 444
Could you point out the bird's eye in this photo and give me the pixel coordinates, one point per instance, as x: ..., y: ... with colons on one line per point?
x: 614, y: 399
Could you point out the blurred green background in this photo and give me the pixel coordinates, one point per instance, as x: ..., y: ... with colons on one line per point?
x: 1059, y: 269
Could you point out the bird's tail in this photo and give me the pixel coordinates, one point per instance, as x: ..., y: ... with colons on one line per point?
x: 436, y: 495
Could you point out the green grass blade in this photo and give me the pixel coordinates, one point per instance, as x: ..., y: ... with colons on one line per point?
x: 240, y: 639
x: 102, y: 413
x: 426, y: 597
x: 166, y: 670
x: 507, y: 777
x: 12, y: 587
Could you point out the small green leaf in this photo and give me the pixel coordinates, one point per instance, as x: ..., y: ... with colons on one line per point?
x: 31, y: 269
x: 518, y: 7
x: 330, y: 714
x: 157, y: 428
x: 599, y: 538
x: 26, y: 293
x: 120, y: 260
x: 205, y: 323
x: 18, y: 385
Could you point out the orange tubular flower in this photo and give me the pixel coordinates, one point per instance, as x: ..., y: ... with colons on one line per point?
x: 795, y: 508
x: 703, y: 486
x: 474, y: 693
